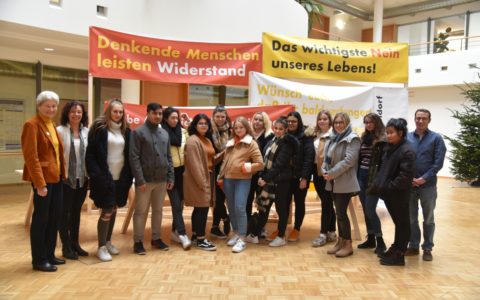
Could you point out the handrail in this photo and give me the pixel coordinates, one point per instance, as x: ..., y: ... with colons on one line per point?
x: 449, y: 40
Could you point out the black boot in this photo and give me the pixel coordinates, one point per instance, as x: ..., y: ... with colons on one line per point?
x: 68, y: 252
x: 395, y: 258
x: 381, y: 247
x: 369, y: 243
x: 76, y: 247
x: 386, y: 253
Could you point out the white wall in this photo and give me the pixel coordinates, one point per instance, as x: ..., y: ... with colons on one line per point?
x: 457, y: 63
x: 187, y: 20
x: 438, y: 100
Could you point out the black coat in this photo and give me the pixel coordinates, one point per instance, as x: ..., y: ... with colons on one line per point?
x: 282, y: 166
x: 394, y: 179
x: 305, y: 156
x: 103, y: 190
x: 263, y: 140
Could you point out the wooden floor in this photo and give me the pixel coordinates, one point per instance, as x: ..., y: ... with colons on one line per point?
x: 296, y: 271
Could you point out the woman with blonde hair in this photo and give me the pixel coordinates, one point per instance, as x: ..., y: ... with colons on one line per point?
x: 340, y: 171
x: 242, y: 158
x: 262, y: 133
x: 109, y: 171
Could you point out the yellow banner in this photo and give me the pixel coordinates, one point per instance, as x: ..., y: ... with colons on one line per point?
x: 292, y: 57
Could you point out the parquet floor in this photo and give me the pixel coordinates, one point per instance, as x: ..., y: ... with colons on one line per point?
x: 296, y: 271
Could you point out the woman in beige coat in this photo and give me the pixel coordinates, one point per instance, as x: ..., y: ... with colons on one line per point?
x: 242, y: 159
x: 198, y: 178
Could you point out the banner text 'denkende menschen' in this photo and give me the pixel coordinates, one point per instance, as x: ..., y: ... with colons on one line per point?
x: 118, y: 55
x: 291, y: 57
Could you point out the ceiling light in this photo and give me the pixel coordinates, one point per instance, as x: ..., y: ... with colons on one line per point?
x: 49, y: 49
x: 340, y: 24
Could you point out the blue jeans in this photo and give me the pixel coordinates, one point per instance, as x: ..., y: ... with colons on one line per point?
x: 369, y: 205
x: 428, y: 199
x: 236, y: 192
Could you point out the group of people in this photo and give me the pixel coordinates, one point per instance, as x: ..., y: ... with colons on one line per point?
x: 224, y: 165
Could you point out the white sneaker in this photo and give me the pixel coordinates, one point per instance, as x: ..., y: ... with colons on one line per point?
x: 185, y: 241
x: 175, y: 237
x: 240, y: 245
x: 320, y: 240
x: 233, y: 240
x: 112, y: 249
x: 103, y: 254
x: 278, y: 242
x: 252, y: 239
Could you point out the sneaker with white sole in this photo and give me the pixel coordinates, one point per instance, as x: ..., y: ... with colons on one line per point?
x: 185, y: 241
x: 175, y: 237
x: 206, y: 245
x: 112, y: 249
x: 320, y: 240
x: 252, y: 239
x: 233, y: 240
x: 278, y: 242
x: 331, y: 236
x: 103, y: 254
x: 240, y: 245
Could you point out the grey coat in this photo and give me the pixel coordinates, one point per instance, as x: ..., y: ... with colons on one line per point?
x: 150, y: 157
x: 343, y: 166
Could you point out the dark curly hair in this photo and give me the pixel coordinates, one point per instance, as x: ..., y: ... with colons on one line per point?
x: 192, y: 129
x: 66, y: 110
x: 400, y: 125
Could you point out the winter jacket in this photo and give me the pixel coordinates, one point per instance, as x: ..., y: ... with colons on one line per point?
x: 282, y: 167
x: 197, y: 186
x: 394, y: 178
x: 305, y: 155
x: 102, y: 186
x: 343, y: 166
x: 244, y: 153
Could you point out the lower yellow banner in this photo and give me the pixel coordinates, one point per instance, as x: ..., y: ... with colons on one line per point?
x: 292, y: 57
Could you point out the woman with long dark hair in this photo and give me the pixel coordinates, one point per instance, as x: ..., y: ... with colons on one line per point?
x: 199, y: 177
x: 304, y: 159
x: 178, y: 138
x: 393, y: 184
x: 370, y: 156
x: 74, y: 134
x: 109, y: 170
x: 275, y: 180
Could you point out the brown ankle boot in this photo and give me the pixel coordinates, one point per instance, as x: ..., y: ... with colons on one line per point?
x: 346, y: 249
x: 337, y: 246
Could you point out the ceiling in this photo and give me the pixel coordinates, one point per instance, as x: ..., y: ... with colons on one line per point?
x: 363, y: 9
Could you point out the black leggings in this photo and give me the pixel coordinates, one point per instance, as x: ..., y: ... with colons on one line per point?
x: 220, y: 210
x: 199, y: 220
x: 328, y: 218
x: 398, y: 208
x: 299, y: 196
x: 282, y: 203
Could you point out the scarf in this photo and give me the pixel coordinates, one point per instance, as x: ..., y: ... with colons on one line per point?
x: 175, y: 134
x: 334, y: 141
x: 72, y: 161
x: 220, y: 136
x: 368, y: 138
x: 267, y: 195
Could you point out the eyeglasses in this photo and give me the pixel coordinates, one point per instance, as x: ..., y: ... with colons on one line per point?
x: 367, y: 122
